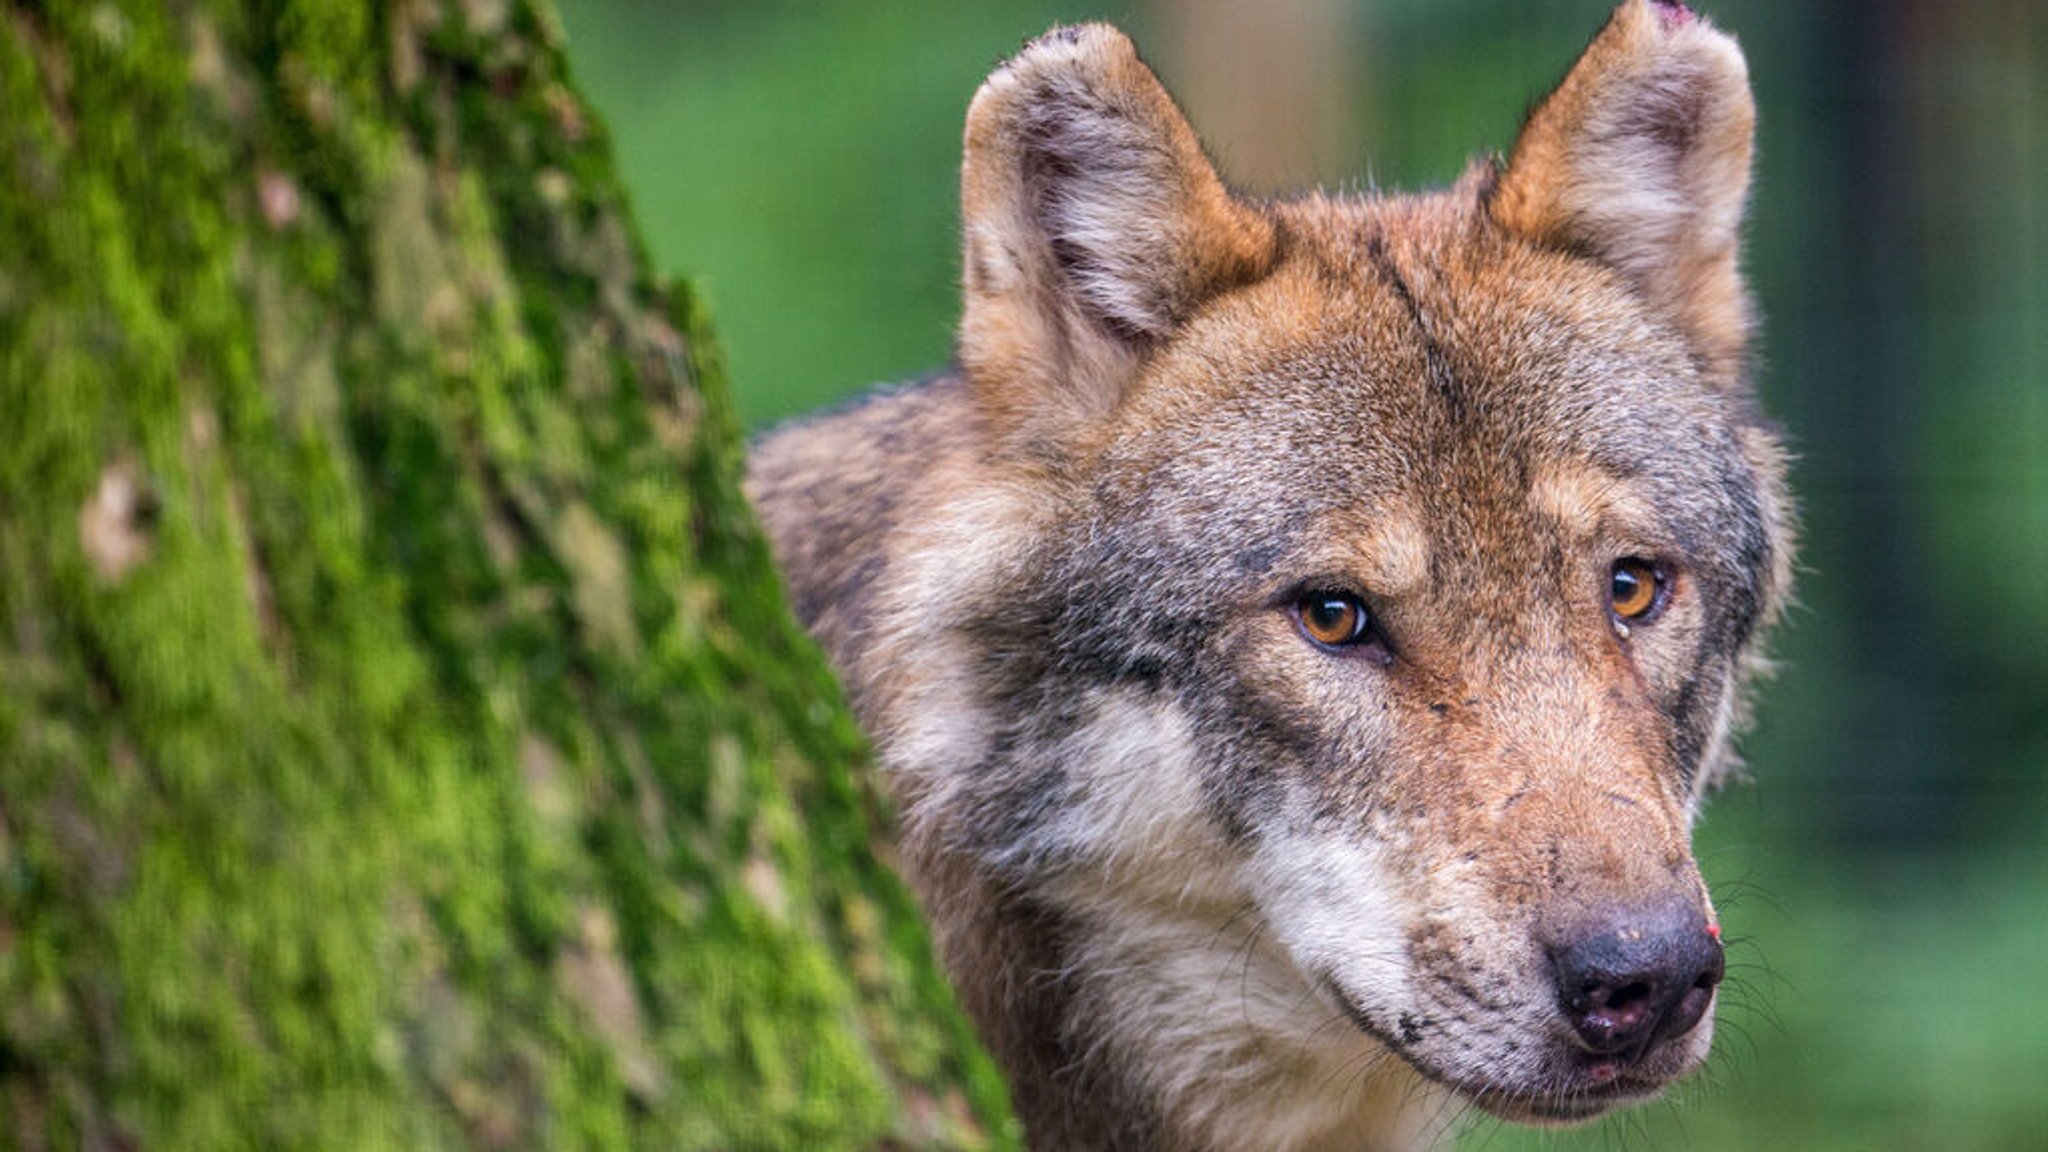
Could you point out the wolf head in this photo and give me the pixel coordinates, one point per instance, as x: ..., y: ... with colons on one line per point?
x: 1345, y: 602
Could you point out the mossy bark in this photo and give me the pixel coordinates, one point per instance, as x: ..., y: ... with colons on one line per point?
x: 402, y: 740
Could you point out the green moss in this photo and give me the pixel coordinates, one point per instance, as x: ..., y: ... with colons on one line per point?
x: 446, y: 770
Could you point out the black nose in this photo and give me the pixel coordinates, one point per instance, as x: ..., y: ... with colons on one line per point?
x: 1638, y: 978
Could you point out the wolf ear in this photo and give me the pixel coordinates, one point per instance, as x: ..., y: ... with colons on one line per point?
x: 1094, y: 226
x: 1640, y: 158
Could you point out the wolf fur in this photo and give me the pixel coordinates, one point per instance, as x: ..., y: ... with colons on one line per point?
x: 1203, y: 881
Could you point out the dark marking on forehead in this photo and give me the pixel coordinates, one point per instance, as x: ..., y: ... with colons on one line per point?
x: 1258, y: 559
x: 1441, y: 378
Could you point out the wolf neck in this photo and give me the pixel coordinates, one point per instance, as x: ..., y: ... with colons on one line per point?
x: 1128, y: 1017
x: 1109, y: 942
x: 1190, y: 1001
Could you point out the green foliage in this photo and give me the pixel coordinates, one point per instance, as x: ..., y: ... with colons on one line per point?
x: 402, y: 744
x: 835, y: 130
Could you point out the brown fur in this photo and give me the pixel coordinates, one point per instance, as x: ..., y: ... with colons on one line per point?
x: 1164, y: 839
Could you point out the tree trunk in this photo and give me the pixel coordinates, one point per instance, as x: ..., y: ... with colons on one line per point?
x: 402, y: 740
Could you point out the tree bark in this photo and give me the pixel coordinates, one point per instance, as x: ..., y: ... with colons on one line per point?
x: 403, y: 743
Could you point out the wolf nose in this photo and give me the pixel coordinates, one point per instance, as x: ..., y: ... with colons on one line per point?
x: 1639, y: 978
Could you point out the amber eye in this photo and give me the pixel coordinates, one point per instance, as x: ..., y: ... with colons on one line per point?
x: 1333, y: 619
x: 1635, y: 589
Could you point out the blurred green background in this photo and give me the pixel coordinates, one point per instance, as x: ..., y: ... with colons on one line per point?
x: 1883, y: 875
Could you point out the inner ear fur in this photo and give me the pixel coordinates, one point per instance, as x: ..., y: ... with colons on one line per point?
x: 1094, y: 226
x: 1641, y: 159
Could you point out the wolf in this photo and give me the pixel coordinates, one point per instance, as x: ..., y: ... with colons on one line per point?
x: 1298, y: 634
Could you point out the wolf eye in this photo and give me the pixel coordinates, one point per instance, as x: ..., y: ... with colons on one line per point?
x: 1636, y: 589
x: 1333, y: 619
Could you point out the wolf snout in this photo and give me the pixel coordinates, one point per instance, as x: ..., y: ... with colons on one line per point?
x: 1636, y: 978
